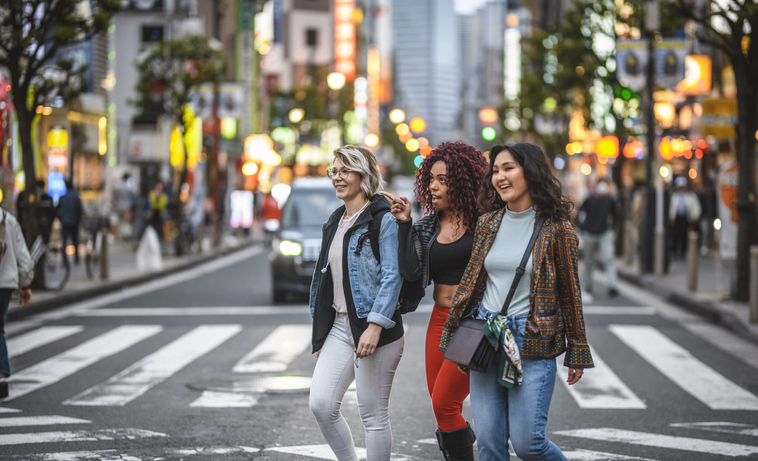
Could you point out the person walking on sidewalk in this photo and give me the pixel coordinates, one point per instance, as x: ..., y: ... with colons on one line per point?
x: 447, y: 186
x: 545, y: 313
x: 357, y: 331
x: 70, y: 214
x: 158, y: 202
x: 598, y: 217
x: 684, y: 213
x: 16, y: 271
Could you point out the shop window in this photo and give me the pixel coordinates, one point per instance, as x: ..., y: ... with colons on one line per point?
x: 152, y: 34
x: 311, y: 37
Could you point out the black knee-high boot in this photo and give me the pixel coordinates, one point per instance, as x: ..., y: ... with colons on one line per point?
x: 457, y: 445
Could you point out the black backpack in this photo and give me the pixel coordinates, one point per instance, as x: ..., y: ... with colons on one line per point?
x: 412, y: 290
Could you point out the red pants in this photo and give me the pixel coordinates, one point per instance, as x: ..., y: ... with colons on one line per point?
x: 447, y: 386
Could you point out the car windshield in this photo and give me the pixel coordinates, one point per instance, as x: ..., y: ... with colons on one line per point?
x: 309, y: 207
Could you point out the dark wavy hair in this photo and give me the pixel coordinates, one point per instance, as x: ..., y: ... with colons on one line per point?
x: 544, y: 188
x: 466, y: 167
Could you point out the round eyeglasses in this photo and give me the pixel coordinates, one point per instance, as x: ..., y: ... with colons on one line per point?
x: 331, y: 173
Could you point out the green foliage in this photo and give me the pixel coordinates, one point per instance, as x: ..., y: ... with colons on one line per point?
x: 168, y: 73
x: 33, y: 33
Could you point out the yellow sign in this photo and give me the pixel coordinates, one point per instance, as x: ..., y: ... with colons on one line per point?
x: 697, y: 76
x: 719, y: 106
x: 720, y: 131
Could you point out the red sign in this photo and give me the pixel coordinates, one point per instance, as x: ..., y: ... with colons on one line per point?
x: 344, y: 38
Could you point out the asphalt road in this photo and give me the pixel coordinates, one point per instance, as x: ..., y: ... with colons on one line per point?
x: 200, y: 366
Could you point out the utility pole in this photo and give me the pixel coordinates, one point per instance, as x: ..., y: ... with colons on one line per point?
x: 648, y: 233
x: 213, y: 160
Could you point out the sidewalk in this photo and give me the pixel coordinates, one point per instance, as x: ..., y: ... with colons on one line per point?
x: 711, y: 299
x: 123, y: 272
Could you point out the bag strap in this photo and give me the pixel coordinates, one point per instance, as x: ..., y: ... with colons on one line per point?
x: 522, y: 267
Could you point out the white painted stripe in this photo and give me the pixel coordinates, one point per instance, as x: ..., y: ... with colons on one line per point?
x: 729, y: 428
x: 726, y: 341
x: 9, y: 410
x: 21, y: 421
x: 193, y: 311
x: 275, y: 353
x: 99, y: 455
x: 76, y: 436
x: 315, y: 451
x: 600, y: 387
x: 608, y: 434
x: 689, y: 373
x: 212, y: 450
x: 619, y: 310
x: 213, y: 399
x: 160, y: 283
x: 588, y: 455
x: 40, y: 337
x: 67, y: 363
x: 155, y: 368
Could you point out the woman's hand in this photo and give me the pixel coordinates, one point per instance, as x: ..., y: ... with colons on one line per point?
x: 318, y: 352
x: 573, y: 375
x: 369, y: 340
x: 401, y: 207
x: 464, y: 370
x: 25, y: 296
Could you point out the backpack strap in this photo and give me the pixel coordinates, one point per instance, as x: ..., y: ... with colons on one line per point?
x: 375, y: 229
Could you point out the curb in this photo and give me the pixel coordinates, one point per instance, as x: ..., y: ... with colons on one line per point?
x: 117, y: 285
x: 705, y: 309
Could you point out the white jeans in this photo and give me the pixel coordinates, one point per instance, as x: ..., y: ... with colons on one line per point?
x: 336, y: 369
x: 603, y: 242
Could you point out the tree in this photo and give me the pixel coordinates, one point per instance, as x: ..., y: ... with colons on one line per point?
x: 728, y: 27
x: 167, y: 76
x: 33, y: 33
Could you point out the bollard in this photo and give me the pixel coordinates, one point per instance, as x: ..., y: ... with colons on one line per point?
x: 692, y: 261
x: 104, y: 254
x: 628, y: 244
x: 754, y: 283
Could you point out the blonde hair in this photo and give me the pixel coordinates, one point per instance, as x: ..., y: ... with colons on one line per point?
x: 362, y: 161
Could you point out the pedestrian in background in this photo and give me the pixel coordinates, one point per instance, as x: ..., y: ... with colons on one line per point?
x: 70, y: 214
x: 357, y: 331
x: 123, y: 204
x: 158, y: 202
x: 16, y: 272
x: 447, y: 186
x: 684, y: 213
x: 598, y: 217
x: 545, y: 313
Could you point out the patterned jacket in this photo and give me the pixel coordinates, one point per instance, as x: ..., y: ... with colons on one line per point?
x: 555, y: 323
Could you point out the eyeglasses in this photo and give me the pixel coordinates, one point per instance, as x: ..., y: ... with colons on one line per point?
x: 331, y: 173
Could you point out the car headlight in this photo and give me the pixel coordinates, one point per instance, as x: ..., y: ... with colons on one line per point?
x: 289, y: 248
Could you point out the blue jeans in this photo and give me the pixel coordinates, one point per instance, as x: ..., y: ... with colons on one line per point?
x: 519, y: 413
x: 5, y: 364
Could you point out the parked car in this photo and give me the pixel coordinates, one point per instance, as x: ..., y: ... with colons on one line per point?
x: 297, y: 242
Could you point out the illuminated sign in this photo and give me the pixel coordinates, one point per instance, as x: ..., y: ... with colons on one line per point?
x: 57, y: 155
x: 344, y: 38
x: 697, y: 76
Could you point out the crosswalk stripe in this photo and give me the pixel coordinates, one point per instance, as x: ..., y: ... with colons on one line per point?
x: 728, y: 428
x: 76, y: 436
x: 97, y: 455
x: 192, y: 311
x: 277, y: 350
x: 40, y: 337
x: 619, y: 310
x: 600, y: 387
x: 9, y: 410
x: 689, y: 373
x: 589, y: 455
x: 214, y: 399
x: 315, y: 451
x: 22, y: 421
x: 608, y: 434
x: 155, y: 368
x: 67, y: 363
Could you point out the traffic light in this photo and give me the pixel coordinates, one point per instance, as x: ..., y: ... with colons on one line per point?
x: 626, y: 94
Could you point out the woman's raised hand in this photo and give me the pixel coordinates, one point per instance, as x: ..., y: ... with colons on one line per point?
x: 401, y: 207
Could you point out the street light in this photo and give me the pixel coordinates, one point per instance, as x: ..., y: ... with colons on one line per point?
x: 417, y: 124
x: 397, y: 116
x: 335, y: 80
x: 296, y: 115
x: 371, y: 140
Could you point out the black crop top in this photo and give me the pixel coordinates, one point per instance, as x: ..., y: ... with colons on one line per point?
x: 448, y: 261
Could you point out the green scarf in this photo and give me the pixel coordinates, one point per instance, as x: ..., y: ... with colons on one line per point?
x: 510, y: 372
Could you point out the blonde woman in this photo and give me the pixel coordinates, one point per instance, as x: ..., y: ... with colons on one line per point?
x: 357, y: 333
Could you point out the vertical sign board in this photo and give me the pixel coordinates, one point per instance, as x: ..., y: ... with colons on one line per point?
x: 344, y: 38
x: 727, y: 210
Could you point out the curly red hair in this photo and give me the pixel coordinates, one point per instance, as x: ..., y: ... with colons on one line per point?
x: 466, y: 167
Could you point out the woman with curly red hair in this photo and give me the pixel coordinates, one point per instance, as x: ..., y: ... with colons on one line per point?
x: 447, y: 186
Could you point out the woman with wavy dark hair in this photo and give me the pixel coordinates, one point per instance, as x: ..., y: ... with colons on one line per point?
x: 447, y: 185
x: 544, y: 316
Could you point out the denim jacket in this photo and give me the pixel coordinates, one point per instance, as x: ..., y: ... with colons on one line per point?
x: 371, y: 288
